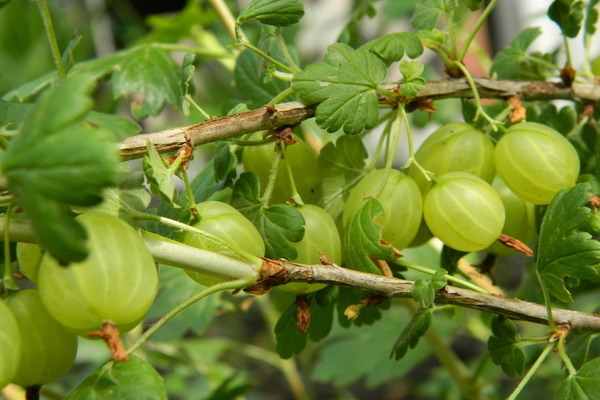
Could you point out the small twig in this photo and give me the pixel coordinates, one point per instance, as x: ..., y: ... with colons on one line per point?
x: 110, y: 335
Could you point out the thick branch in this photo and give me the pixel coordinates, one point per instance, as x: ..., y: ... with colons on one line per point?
x: 391, y: 287
x: 271, y: 117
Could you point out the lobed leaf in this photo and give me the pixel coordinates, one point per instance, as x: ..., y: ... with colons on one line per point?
x: 427, y: 13
x: 584, y: 385
x: 158, y: 175
x: 568, y: 15
x: 394, y: 46
x: 340, y: 166
x: 513, y: 62
x: 278, y: 224
x: 152, y: 73
x: 424, y: 290
x: 562, y: 250
x: 503, y: 347
x: 591, y: 17
x: 273, y: 12
x: 412, y: 332
x: 362, y: 239
x: 134, y: 379
x: 13, y: 113
x: 345, y: 86
x: 61, y: 159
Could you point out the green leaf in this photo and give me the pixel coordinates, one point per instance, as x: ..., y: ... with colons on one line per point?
x: 362, y: 239
x: 345, y: 86
x: 475, y: 5
x: 273, y: 12
x: 578, y: 346
x: 503, y: 347
x: 129, y: 194
x: 13, y: 113
x: 432, y: 38
x: 278, y: 224
x: 57, y: 160
x: 411, y: 69
x: 427, y: 13
x: 512, y: 62
x: 411, y: 334
x: 175, y: 287
x: 225, y: 161
x: 321, y: 319
x: 591, y: 17
x: 205, y: 184
x: 562, y: 250
x: 584, y: 385
x: 392, y: 47
x: 290, y: 340
x: 450, y: 257
x: 152, y: 73
x: 340, y: 166
x: 568, y: 15
x: 250, y: 77
x: 424, y: 290
x: 362, y: 354
x: 121, y: 127
x: 133, y: 379
x: 158, y: 175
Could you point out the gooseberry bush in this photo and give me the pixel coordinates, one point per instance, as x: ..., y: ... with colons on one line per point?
x: 193, y: 207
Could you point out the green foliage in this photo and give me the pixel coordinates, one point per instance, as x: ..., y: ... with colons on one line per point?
x: 362, y: 239
x: 392, y: 47
x: 562, y: 250
x: 340, y: 165
x: 13, y: 113
x: 126, y: 380
x: 158, y: 175
x: 427, y: 13
x: 583, y: 385
x: 568, y: 14
x: 273, y: 12
x: 148, y: 71
x: 277, y: 224
x: 513, y: 62
x: 412, y: 333
x: 504, y: 347
x: 61, y: 159
x: 412, y: 81
x: 423, y: 290
x: 345, y: 86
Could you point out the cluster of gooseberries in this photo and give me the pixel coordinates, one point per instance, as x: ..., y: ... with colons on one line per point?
x: 465, y: 190
x: 115, y: 285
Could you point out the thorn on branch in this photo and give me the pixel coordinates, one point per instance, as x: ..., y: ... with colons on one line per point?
x: 302, y: 313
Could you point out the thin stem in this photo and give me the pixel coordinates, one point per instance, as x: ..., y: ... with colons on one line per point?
x: 47, y: 19
x: 283, y: 76
x: 480, y: 111
x: 394, y: 138
x: 541, y: 61
x: 231, y: 285
x: 190, y: 100
x: 282, y: 96
x: 547, y: 302
x: 176, y: 163
x: 8, y: 282
x: 482, y: 18
x: 226, y: 17
x: 266, y: 197
x: 430, y: 271
x: 451, y: 33
x: 411, y: 149
x: 568, y: 52
x: 295, y: 195
x: 286, y: 53
x: 190, y: 193
x: 560, y: 347
x: 267, y: 57
x: 531, y: 371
